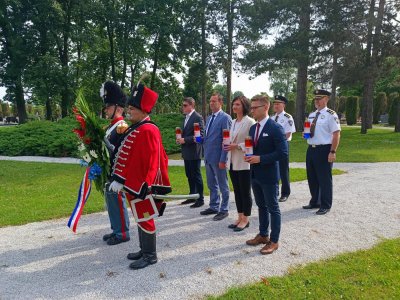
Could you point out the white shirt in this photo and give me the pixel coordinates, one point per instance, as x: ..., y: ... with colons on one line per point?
x: 215, y: 116
x: 287, y: 122
x: 187, y: 118
x: 262, y: 123
x: 327, y: 124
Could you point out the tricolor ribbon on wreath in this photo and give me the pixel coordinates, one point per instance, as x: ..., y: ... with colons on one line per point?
x: 83, y: 195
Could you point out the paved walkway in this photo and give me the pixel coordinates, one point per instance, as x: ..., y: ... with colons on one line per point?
x: 197, y: 256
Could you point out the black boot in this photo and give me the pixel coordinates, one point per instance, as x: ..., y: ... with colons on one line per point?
x: 139, y: 254
x: 149, y: 256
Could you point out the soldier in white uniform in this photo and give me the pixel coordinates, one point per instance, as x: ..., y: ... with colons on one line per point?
x: 287, y: 122
x: 321, y: 152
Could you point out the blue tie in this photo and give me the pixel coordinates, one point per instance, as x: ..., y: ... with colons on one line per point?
x: 209, y: 125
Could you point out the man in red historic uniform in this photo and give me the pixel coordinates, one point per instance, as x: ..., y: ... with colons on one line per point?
x: 141, y: 169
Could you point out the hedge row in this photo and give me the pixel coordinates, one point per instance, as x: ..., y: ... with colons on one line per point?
x: 56, y: 139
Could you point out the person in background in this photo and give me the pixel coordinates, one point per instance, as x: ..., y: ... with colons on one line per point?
x: 239, y: 170
x: 286, y: 121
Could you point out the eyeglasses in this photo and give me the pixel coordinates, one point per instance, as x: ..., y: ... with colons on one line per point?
x: 184, y: 105
x: 255, y: 107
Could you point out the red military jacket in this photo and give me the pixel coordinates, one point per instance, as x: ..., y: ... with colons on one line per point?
x: 141, y: 161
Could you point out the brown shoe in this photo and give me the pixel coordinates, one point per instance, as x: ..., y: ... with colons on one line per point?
x: 269, y: 248
x: 258, y: 240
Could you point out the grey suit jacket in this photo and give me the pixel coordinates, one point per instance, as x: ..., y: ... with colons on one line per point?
x: 213, y: 152
x: 190, y: 149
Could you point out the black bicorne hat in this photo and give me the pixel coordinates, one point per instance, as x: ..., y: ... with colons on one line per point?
x: 112, y: 94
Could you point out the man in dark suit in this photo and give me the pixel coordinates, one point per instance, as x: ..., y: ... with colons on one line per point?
x: 269, y: 147
x: 192, y: 151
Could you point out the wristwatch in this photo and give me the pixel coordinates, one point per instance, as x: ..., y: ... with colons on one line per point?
x: 332, y: 151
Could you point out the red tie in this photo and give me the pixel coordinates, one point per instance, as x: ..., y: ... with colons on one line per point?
x: 256, y: 136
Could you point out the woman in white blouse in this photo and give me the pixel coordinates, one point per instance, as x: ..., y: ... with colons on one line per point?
x: 239, y: 170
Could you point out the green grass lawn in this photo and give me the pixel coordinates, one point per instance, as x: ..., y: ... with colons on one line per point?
x: 379, y: 145
x: 366, y: 274
x: 31, y: 192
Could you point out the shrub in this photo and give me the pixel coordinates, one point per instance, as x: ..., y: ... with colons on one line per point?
x: 56, y: 139
x: 393, y: 109
x: 351, y: 110
x: 380, y: 102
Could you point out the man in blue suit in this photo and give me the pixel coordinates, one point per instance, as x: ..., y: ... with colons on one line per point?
x: 269, y: 147
x: 215, y: 159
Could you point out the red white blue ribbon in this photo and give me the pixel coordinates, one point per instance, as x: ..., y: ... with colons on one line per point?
x: 83, y: 195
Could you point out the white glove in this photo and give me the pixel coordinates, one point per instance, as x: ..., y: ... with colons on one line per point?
x: 116, y: 186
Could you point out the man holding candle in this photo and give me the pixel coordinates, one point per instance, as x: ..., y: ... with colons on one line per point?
x: 192, y: 150
x: 215, y: 159
x: 269, y: 148
x: 321, y: 152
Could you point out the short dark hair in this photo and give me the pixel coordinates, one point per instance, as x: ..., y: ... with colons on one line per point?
x: 245, y: 104
x: 189, y: 100
x: 261, y: 98
x: 220, y: 98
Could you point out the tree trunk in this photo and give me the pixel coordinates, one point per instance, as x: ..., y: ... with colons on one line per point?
x: 397, y: 126
x: 133, y: 72
x: 64, y: 58
x: 49, y: 112
x: 110, y: 34
x: 332, y: 100
x: 124, y: 52
x: 20, y: 101
x: 371, y: 64
x: 155, y: 61
x: 229, y: 17
x: 302, y: 65
x: 203, y: 61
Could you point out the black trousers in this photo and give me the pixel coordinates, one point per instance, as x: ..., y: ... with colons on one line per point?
x: 284, y: 174
x: 193, y: 174
x: 319, y: 175
x: 241, y: 187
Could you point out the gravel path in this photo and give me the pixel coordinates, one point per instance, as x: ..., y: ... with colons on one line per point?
x: 197, y: 256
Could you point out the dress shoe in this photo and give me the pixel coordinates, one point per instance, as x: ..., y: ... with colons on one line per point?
x: 188, y: 201
x: 115, y: 241
x: 258, y: 240
x: 322, y: 211
x: 143, y: 262
x: 220, y: 216
x: 108, y: 236
x: 197, y: 204
x: 232, y: 226
x: 208, y: 211
x: 241, y: 228
x: 310, y: 206
x: 269, y: 248
x: 135, y: 255
x: 283, y: 199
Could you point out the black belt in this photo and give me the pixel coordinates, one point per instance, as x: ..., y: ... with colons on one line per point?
x: 316, y: 146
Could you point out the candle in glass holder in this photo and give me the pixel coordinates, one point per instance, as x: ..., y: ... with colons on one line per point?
x: 307, y: 126
x: 178, y: 132
x: 248, y: 145
x: 197, y: 135
x: 225, y: 137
